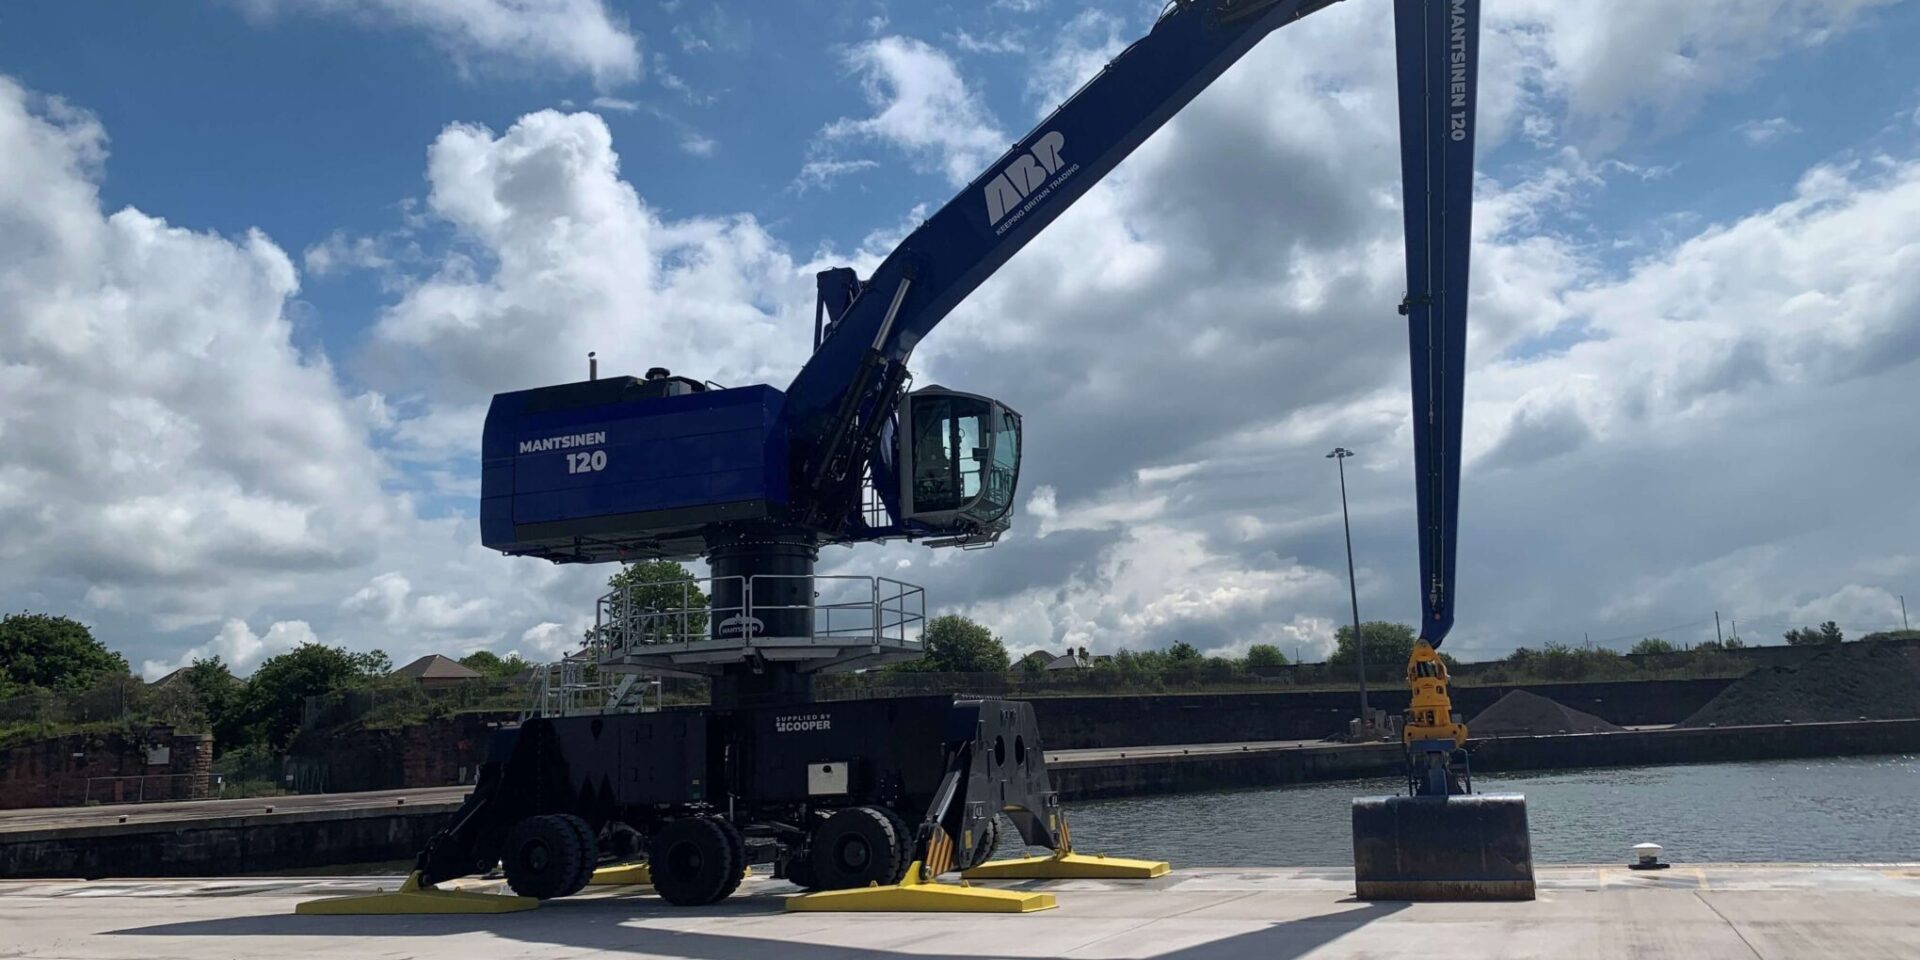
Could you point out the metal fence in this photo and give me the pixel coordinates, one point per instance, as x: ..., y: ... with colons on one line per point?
x: 119, y: 699
x: 151, y: 788
x: 399, y: 703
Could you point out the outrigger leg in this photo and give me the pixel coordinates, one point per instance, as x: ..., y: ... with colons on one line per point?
x: 994, y: 766
x: 441, y: 860
x: 1064, y: 864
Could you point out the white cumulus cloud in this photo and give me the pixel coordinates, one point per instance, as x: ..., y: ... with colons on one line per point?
x: 922, y: 106
x: 581, y: 36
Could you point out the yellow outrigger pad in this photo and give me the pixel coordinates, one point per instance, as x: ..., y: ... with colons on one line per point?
x: 1069, y: 866
x: 914, y: 895
x: 632, y: 874
x: 624, y: 874
x: 416, y: 897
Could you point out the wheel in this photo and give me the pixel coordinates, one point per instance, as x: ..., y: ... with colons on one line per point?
x: 589, y: 853
x: 986, y: 843
x: 543, y: 856
x: 854, y: 848
x: 692, y: 860
x: 800, y: 871
x: 903, y: 837
x: 624, y: 842
x: 736, y: 859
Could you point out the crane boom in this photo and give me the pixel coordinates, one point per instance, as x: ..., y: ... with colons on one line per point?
x: 1438, y: 57
x: 838, y: 405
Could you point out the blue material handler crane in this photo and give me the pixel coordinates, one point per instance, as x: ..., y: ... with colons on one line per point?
x: 756, y: 479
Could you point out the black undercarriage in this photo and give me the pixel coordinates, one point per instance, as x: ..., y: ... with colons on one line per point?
x: 833, y: 795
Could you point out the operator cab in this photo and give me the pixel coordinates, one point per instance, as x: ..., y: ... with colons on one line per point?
x: 959, y: 461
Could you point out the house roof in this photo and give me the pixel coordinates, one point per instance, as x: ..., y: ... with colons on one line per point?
x: 433, y: 666
x: 179, y: 675
x: 176, y: 676
x: 1066, y: 661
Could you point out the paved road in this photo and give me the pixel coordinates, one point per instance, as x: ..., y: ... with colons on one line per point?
x: 13, y: 821
x: 1583, y: 913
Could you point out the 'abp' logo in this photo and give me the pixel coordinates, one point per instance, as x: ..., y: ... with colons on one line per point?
x: 1023, y: 176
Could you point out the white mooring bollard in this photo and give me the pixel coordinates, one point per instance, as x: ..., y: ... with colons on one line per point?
x: 1646, y: 856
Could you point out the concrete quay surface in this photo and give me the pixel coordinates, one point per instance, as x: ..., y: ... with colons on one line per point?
x: 1735, y: 912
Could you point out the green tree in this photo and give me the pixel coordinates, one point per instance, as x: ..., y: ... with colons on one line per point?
x: 1828, y: 632
x: 1034, y: 664
x: 55, y: 653
x: 277, y: 692
x: 1653, y: 645
x: 1265, y: 655
x: 1559, y: 661
x: 493, y: 666
x: 1140, y: 668
x: 1182, y: 651
x: 1388, y: 644
x: 956, y: 644
x: 219, y: 694
x: 1891, y: 635
x: 373, y: 664
x: 663, y: 585
x: 482, y: 661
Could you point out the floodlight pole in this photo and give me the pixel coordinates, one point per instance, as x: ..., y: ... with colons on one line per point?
x: 1339, y: 456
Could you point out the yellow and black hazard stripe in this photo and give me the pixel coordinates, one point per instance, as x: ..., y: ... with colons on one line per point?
x: 1062, y: 837
x: 939, y: 853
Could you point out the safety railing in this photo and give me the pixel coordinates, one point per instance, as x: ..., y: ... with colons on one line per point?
x: 837, y: 610
x: 577, y: 684
x: 651, y: 614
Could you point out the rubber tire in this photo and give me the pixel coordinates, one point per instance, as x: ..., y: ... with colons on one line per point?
x: 989, y: 841
x: 800, y: 872
x: 854, y: 848
x: 692, y: 860
x: 736, y: 861
x: 589, y: 853
x: 542, y: 856
x: 904, y: 836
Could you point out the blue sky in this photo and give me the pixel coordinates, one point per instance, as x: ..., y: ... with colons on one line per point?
x: 227, y: 117
x: 1634, y: 149
x: 303, y: 125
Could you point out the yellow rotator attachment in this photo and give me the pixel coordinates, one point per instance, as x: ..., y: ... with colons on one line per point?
x: 416, y: 897
x: 1430, y: 715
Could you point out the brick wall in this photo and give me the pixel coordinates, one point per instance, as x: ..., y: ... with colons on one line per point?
x: 433, y: 754
x: 105, y: 768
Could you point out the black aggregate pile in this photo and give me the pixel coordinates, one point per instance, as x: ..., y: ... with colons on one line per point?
x: 1852, y: 681
x: 1523, y: 714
